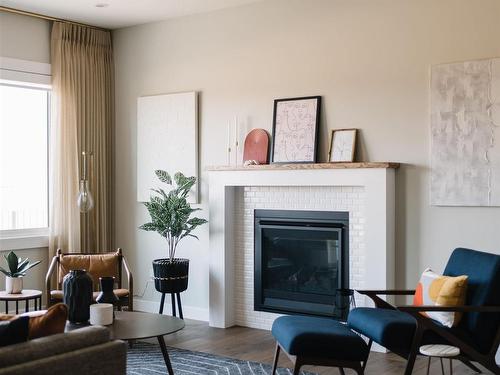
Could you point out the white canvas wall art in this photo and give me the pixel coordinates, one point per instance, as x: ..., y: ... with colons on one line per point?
x: 167, y: 138
x: 465, y: 133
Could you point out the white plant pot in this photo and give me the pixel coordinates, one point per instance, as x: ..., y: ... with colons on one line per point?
x: 13, y: 285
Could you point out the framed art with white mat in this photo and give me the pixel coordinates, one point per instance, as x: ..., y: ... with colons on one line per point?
x: 342, y: 145
x: 295, y: 130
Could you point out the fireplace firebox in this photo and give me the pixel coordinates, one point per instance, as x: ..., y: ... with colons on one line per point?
x: 302, y: 262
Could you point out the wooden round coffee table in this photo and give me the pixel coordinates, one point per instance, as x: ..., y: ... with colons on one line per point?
x: 131, y: 325
x: 26, y: 295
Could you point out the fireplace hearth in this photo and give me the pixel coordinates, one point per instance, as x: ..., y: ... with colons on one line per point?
x: 302, y: 262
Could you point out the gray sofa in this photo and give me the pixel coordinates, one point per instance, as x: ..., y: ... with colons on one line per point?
x: 88, y: 351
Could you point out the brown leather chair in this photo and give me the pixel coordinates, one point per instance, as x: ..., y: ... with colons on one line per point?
x: 97, y: 265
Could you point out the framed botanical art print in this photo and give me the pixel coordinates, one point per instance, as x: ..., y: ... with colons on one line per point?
x: 295, y: 130
x: 342, y: 145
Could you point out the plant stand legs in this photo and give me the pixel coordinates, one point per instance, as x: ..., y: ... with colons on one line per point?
x: 162, y: 302
x: 174, y: 309
x: 180, y: 306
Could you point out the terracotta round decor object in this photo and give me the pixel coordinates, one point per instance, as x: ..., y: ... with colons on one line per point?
x: 256, y: 146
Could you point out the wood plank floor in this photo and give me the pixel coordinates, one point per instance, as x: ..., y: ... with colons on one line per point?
x: 258, y: 345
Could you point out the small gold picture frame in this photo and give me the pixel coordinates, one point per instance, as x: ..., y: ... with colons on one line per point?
x: 342, y: 145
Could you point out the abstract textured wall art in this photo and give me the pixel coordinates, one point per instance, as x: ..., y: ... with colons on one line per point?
x: 465, y: 133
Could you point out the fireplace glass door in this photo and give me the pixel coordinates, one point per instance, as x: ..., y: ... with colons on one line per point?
x: 300, y: 267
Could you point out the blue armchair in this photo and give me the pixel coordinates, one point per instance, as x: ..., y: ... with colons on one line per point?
x: 404, y: 329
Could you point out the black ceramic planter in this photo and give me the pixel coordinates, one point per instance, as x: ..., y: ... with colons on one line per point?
x: 77, y: 295
x: 171, y: 277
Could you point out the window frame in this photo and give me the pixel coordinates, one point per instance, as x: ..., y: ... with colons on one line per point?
x: 29, y: 75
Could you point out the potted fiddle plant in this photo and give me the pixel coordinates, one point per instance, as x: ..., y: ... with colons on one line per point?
x: 17, y: 268
x: 171, y: 218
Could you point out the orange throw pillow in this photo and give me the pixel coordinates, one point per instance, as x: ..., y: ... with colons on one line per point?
x: 43, y: 324
x: 50, y: 323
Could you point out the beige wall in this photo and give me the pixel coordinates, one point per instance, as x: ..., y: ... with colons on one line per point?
x: 24, y: 38
x: 369, y: 60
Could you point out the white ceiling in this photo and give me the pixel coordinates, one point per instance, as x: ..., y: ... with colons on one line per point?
x: 120, y: 13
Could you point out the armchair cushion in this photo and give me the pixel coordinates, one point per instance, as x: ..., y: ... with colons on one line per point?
x: 483, y: 270
x: 57, y: 295
x: 97, y: 265
x: 392, y: 329
x: 318, y: 338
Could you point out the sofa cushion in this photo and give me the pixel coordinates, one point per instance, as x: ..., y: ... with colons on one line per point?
x: 53, y: 345
x: 14, y: 331
x: 318, y: 337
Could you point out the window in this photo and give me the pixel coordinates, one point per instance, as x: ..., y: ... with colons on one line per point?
x: 24, y: 125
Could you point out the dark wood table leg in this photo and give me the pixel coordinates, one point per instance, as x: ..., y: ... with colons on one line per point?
x: 27, y: 305
x: 6, y: 307
x: 17, y: 307
x: 164, y: 351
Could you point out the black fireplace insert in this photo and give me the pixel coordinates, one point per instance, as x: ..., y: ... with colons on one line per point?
x: 302, y: 262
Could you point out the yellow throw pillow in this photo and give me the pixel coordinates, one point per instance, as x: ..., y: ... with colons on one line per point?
x: 437, y: 290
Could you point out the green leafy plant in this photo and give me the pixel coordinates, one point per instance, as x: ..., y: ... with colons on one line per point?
x: 17, y: 266
x: 171, y: 212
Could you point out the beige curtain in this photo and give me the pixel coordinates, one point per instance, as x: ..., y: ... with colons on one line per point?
x: 82, y: 120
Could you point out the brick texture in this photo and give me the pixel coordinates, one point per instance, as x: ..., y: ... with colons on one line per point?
x: 345, y: 198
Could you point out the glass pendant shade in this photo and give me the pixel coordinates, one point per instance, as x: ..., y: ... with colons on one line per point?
x: 85, y: 201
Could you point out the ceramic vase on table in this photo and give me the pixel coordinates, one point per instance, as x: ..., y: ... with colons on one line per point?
x: 77, y: 289
x: 13, y: 285
x: 107, y: 294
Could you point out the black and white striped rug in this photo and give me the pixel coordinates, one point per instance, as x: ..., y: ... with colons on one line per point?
x: 146, y: 359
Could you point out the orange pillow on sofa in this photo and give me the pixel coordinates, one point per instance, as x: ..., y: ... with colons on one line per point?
x: 51, y: 322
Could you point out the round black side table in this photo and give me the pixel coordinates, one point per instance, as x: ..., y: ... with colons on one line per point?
x: 26, y: 295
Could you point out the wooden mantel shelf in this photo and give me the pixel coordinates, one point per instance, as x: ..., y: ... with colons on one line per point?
x: 297, y: 166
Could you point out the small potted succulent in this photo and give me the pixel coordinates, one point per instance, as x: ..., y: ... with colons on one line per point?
x: 17, y: 269
x: 171, y: 218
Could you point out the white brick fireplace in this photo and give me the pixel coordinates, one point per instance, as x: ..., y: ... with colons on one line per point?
x: 365, y: 190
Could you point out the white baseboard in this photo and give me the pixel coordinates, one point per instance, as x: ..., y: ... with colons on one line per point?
x: 195, y: 313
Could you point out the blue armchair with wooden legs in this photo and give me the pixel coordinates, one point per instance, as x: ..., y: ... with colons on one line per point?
x: 404, y: 329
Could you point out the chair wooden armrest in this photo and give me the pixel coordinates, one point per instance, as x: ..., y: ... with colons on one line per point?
x: 417, y: 309
x: 48, y: 278
x: 393, y: 292
x: 379, y: 302
x: 130, y: 281
x: 425, y: 323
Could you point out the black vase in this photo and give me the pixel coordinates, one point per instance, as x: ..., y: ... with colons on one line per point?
x: 171, y: 276
x: 107, y: 295
x: 77, y: 295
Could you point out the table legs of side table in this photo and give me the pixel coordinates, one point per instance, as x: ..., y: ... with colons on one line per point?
x: 442, y: 365
x: 164, y: 351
